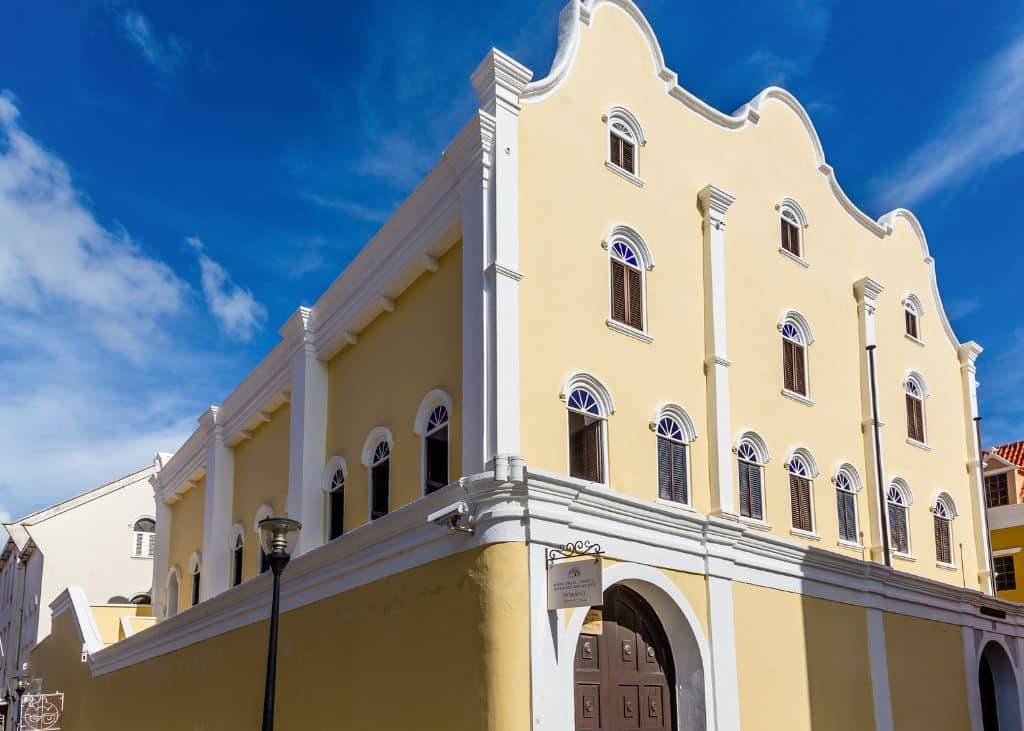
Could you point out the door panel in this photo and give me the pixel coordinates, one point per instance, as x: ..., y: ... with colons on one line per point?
x: 624, y: 677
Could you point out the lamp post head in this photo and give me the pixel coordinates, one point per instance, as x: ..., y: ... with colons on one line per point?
x: 19, y: 684
x: 278, y: 537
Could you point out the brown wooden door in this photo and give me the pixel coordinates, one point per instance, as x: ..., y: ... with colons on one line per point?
x: 623, y: 676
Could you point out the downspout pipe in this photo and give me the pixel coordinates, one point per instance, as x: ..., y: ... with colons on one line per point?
x: 877, y: 437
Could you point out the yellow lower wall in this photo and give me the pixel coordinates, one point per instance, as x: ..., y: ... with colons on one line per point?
x: 802, y: 662
x: 926, y: 674
x: 1012, y: 538
x: 442, y: 646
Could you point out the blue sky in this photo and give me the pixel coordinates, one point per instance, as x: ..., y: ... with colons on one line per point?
x: 176, y: 178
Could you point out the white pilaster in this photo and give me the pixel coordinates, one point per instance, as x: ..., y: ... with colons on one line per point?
x: 714, y: 203
x: 220, y: 486
x: 307, y: 432
x: 720, y: 566
x: 968, y: 354
x: 162, y: 552
x: 971, y: 673
x: 879, y: 660
x: 867, y: 291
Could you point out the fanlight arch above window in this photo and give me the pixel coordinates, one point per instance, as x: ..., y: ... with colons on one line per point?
x: 237, y: 536
x: 913, y: 303
x: 334, y: 466
x: 794, y: 326
x: 915, y: 385
x: 801, y: 463
x: 899, y: 492
x: 585, y: 393
x: 672, y: 421
x: 264, y: 511
x: 943, y: 505
x: 195, y: 562
x: 623, y: 122
x: 789, y: 209
x: 427, y: 413
x: 847, y: 478
x: 377, y: 446
x: 751, y: 447
x: 620, y: 236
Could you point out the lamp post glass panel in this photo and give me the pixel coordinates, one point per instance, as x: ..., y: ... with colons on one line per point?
x: 278, y: 537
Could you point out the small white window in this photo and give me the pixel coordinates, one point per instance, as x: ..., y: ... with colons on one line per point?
x: 625, y: 136
x: 144, y: 538
x: 847, y: 485
x: 793, y: 222
x: 751, y: 457
x: 898, y: 501
x: 943, y: 512
x: 674, y: 431
x: 801, y: 472
x: 912, y: 312
x: 915, y: 396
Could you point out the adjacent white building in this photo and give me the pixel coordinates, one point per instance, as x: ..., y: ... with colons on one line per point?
x: 101, y: 540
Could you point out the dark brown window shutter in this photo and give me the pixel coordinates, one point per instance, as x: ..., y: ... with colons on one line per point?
x: 619, y: 291
x: 794, y: 368
x: 744, y: 480
x: 585, y: 448
x: 898, y: 538
x: 627, y: 157
x: 592, y: 434
x: 943, y: 549
x: 800, y: 369
x: 751, y: 501
x: 800, y: 502
x: 436, y: 445
x: 911, y: 323
x: 846, y: 503
x: 616, y: 151
x: 915, y: 419
x: 634, y: 299
x: 790, y: 237
x: 672, y: 482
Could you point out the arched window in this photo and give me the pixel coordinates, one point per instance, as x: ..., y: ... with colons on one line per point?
x: 173, y: 581
x: 801, y: 471
x: 943, y: 513
x: 144, y: 538
x: 751, y: 457
x: 435, y: 445
x: 380, y: 480
x: 847, y: 486
x: 915, y: 395
x: 912, y: 312
x: 262, y: 513
x: 674, y: 431
x: 586, y: 436
x: 194, y: 568
x: 624, y: 136
x: 793, y: 222
x: 626, y: 286
x: 796, y: 336
x: 237, y: 555
x: 141, y: 599
x: 336, y: 505
x: 898, y: 500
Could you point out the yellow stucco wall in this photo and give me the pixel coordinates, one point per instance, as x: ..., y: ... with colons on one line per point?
x: 802, y: 663
x: 925, y: 657
x: 186, y: 536
x: 381, y: 381
x: 261, y: 477
x: 569, y: 201
x: 1006, y: 538
x: 108, y: 618
x: 443, y: 646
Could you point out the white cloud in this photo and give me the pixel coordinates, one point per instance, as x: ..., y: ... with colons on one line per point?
x: 352, y: 208
x: 962, y: 307
x: 164, y: 55
x: 984, y: 129
x: 236, y: 310
x: 85, y: 312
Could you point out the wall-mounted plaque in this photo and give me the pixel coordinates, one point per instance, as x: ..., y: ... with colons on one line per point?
x: 574, y: 583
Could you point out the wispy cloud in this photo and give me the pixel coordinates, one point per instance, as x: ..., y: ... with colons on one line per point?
x: 960, y: 308
x: 351, y: 208
x: 163, y: 54
x: 82, y: 307
x: 801, y: 30
x: 984, y: 129
x: 1000, y: 375
x: 237, y: 312
x: 773, y: 70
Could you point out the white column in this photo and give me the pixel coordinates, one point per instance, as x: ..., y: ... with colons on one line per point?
x: 220, y: 486
x: 969, y: 353
x: 307, y: 432
x: 162, y: 551
x: 879, y: 659
x: 867, y: 291
x: 719, y: 567
x: 714, y: 203
x: 971, y: 673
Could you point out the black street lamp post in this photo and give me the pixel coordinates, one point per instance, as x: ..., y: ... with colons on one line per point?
x: 19, y: 684
x: 277, y: 538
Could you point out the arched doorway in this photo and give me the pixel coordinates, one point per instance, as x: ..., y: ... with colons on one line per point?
x: 623, y: 673
x: 997, y: 683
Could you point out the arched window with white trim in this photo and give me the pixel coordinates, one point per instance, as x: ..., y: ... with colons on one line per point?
x: 625, y: 135
x: 195, y: 568
x: 627, y: 297
x: 380, y: 480
x: 238, y: 555
x: 796, y: 337
x: 588, y: 406
x: 802, y: 471
x: 144, y: 538
x: 898, y: 500
x: 674, y: 431
x: 915, y: 395
x: 435, y: 450
x: 751, y: 457
x: 793, y: 222
x: 264, y: 511
x: 943, y: 512
x: 848, y: 484
x: 912, y: 312
x: 173, y: 590
x: 336, y: 504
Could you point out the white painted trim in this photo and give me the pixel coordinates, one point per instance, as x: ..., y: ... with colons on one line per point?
x: 878, y: 657
x: 793, y: 257
x: 377, y: 435
x: 805, y: 454
x: 591, y: 383
x: 638, y: 182
x: 677, y: 412
x: 797, y: 320
x: 434, y: 398
x: 237, y: 530
x: 756, y: 441
x: 73, y: 599
x: 722, y: 627
x: 629, y: 119
x: 621, y: 327
x: 851, y: 472
x: 799, y: 397
x: 195, y: 562
x: 264, y: 511
x: 1006, y: 552
x: 798, y: 211
x: 632, y: 237
x: 335, y: 463
x: 945, y: 497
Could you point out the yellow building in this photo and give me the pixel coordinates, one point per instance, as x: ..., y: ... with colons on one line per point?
x: 610, y: 314
x: 1003, y: 469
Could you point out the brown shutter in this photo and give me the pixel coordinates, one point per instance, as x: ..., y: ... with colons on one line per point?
x: 943, y: 550
x: 618, y: 291
x: 800, y: 502
x: 615, y: 156
x: 756, y: 493
x: 800, y: 369
x: 680, y: 490
x: 577, y: 450
x: 911, y: 323
x: 627, y: 156
x: 846, y: 504
x: 592, y: 451
x: 664, y: 469
x: 915, y: 419
x: 790, y: 237
x: 788, y: 376
x: 634, y: 299
x: 744, y: 480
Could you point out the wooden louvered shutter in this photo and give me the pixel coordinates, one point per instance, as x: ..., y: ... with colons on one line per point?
x: 577, y: 448
x: 664, y: 469
x: 799, y: 370
x: 616, y: 151
x: 744, y: 480
x: 592, y: 451
x: 847, y: 506
x: 911, y: 323
x: 680, y: 490
x: 790, y: 237
x: 627, y: 156
x: 619, y: 291
x: 634, y: 299
x: 915, y: 419
x: 943, y: 549
x: 788, y: 377
x: 756, y: 493
x: 898, y: 528
x: 800, y: 500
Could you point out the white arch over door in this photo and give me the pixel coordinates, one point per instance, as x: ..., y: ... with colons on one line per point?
x: 691, y: 654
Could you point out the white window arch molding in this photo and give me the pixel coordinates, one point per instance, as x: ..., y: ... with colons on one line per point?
x: 752, y: 455
x: 915, y: 379
x: 623, y: 124
x: 804, y: 454
x: 903, y: 487
x: 377, y: 435
x: 915, y: 386
x: 912, y: 307
x: 674, y: 425
x: 625, y: 245
x: 589, y: 382
x: 172, y: 591
x: 195, y: 562
x: 334, y: 464
x: 852, y: 475
x: 237, y: 533
x: 792, y: 213
x: 942, y: 500
x: 600, y: 405
x: 795, y: 328
x: 328, y: 484
x: 847, y: 481
x: 798, y: 321
x: 800, y: 463
x: 677, y: 412
x: 898, y: 492
x: 434, y: 398
x: 429, y: 421
x: 756, y: 442
x: 264, y: 511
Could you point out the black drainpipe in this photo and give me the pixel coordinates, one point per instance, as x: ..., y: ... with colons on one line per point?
x: 984, y: 508
x: 882, y: 505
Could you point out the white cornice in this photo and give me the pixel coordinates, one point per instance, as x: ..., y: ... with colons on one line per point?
x: 578, y: 14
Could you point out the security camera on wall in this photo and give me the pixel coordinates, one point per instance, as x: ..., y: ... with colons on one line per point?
x: 456, y: 517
